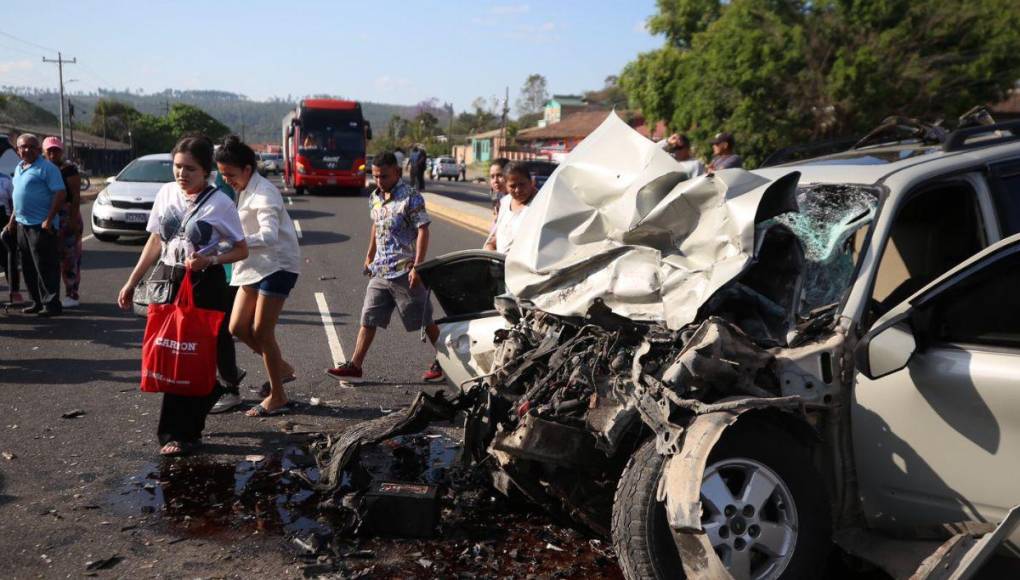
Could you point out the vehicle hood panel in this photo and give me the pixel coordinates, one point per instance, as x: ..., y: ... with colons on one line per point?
x: 619, y: 221
x: 131, y: 190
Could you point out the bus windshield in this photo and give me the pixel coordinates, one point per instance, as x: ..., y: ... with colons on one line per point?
x: 332, y: 132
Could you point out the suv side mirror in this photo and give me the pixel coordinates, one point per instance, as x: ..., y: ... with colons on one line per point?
x: 885, y: 350
x: 111, y: 179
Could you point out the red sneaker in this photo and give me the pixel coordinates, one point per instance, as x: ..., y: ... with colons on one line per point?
x: 345, y: 371
x: 434, y: 374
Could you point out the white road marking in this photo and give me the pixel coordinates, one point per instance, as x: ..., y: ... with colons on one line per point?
x: 87, y: 238
x: 297, y: 229
x: 331, y: 336
x: 290, y: 201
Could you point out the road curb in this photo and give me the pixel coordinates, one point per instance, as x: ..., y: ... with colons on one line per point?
x: 463, y: 219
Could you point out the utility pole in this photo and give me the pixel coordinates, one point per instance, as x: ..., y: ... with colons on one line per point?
x: 70, y: 125
x: 502, y: 128
x: 60, y: 62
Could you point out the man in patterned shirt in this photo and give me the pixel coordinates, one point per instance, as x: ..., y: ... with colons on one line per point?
x: 398, y: 242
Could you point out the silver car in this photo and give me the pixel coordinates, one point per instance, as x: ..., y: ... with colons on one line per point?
x: 122, y: 209
x: 729, y: 375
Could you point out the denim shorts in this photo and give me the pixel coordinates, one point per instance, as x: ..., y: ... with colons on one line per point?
x: 277, y: 284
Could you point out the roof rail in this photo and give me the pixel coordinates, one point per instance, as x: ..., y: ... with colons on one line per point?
x: 896, y: 129
x: 962, y: 139
x: 807, y: 151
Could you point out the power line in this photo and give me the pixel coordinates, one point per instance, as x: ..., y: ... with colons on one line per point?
x: 28, y: 42
x: 21, y: 50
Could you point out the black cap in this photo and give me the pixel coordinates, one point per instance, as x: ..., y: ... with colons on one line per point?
x: 723, y: 137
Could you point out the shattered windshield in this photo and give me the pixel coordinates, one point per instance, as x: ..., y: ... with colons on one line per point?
x: 829, y: 217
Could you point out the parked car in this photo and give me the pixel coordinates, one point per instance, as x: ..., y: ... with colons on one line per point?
x: 540, y: 171
x: 445, y: 167
x: 8, y: 156
x: 731, y: 373
x: 122, y: 209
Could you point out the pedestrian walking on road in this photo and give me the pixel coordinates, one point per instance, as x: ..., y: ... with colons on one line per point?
x: 265, y: 278
x: 70, y: 222
x: 38, y: 196
x: 461, y: 170
x: 723, y: 156
x: 512, y: 208
x: 399, y: 242
x: 190, y: 220
x: 419, y: 162
x: 9, y: 240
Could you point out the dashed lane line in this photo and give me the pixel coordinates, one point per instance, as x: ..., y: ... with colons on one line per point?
x: 331, y: 336
x: 297, y: 228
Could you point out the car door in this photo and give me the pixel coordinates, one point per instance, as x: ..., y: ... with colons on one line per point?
x: 939, y: 439
x: 466, y: 284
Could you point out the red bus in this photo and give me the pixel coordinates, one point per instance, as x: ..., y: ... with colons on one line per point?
x: 324, y: 143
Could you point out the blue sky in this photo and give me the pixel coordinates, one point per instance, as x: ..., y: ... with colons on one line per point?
x: 376, y: 50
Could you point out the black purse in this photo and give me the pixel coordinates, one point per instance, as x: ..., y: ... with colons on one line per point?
x: 159, y: 286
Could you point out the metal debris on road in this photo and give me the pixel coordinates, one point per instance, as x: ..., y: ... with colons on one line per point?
x: 8, y: 455
x: 73, y: 414
x: 104, y: 563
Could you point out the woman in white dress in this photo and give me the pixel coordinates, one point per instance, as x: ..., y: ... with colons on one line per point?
x: 512, y: 208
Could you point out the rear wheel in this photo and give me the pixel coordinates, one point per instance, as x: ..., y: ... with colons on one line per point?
x: 764, y: 509
x: 299, y: 191
x: 105, y: 237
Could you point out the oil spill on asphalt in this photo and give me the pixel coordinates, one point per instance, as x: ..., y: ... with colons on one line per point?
x: 481, y: 533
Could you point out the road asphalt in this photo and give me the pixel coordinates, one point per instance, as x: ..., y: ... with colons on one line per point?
x: 68, y: 486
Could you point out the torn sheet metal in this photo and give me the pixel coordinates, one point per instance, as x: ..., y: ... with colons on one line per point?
x: 963, y: 555
x: 617, y: 221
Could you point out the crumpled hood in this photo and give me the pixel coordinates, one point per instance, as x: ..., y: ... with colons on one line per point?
x: 618, y: 220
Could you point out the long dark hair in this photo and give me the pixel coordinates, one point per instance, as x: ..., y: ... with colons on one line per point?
x: 235, y: 152
x: 198, y: 146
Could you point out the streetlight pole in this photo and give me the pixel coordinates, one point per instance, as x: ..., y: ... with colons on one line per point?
x: 70, y: 122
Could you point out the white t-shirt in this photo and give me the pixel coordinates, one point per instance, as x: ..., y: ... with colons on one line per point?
x: 692, y: 167
x: 508, y: 222
x: 216, y: 220
x: 272, y: 239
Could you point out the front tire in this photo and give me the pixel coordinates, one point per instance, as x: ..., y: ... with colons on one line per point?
x: 788, y: 535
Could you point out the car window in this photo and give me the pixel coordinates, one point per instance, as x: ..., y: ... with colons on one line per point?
x: 148, y: 171
x: 1005, y: 185
x: 984, y: 309
x: 932, y: 232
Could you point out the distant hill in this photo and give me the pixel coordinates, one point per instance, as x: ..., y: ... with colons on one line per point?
x: 18, y: 111
x: 259, y: 121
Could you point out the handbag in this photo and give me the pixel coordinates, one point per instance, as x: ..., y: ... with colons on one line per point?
x: 179, y: 348
x: 158, y: 287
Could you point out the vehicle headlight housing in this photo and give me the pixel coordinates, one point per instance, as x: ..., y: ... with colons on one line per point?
x: 103, y: 198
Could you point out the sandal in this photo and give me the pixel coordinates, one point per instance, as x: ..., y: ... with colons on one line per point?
x: 260, y: 411
x: 264, y: 390
x: 179, y: 448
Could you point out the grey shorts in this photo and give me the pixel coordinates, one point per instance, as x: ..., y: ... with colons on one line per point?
x: 383, y: 295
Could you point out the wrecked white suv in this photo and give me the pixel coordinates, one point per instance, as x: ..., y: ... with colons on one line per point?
x: 730, y: 373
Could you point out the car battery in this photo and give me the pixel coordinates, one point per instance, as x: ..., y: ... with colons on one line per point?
x: 400, y: 508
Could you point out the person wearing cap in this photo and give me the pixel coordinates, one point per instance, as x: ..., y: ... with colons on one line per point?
x: 723, y: 156
x: 70, y: 221
x: 679, y: 148
x: 38, y: 196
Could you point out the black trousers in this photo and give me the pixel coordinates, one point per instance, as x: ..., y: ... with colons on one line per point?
x: 40, y: 263
x: 181, y: 418
x: 9, y: 253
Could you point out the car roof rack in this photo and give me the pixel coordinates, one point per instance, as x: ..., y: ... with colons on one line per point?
x: 808, y: 151
x: 963, y: 139
x: 897, y: 129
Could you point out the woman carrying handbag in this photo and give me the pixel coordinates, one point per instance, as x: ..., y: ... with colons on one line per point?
x: 190, y: 221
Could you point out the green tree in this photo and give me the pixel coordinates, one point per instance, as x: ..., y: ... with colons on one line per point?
x: 184, y: 119
x: 779, y: 72
x: 534, y: 95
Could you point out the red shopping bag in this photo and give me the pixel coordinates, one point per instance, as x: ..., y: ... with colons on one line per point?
x: 179, y: 349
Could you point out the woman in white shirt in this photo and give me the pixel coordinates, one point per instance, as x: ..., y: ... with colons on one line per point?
x: 190, y: 219
x: 266, y: 277
x: 512, y: 208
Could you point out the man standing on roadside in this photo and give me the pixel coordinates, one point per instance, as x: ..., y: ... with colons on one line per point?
x: 9, y: 240
x: 70, y: 221
x: 38, y: 196
x: 398, y: 242
x: 679, y: 147
x: 723, y: 156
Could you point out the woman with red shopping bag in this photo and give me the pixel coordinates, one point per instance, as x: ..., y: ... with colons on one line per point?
x: 190, y: 222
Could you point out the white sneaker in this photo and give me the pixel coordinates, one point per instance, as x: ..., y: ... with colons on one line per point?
x: 68, y: 302
x: 226, y: 403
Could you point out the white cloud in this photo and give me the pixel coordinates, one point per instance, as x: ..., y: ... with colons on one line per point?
x: 641, y: 27
x: 16, y: 65
x: 506, y: 9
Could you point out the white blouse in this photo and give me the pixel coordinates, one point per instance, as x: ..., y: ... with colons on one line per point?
x: 269, y: 231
